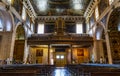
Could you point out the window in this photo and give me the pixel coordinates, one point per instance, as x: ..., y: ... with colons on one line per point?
x: 1, y: 22
x: 42, y: 5
x: 8, y: 26
x: 90, y: 33
x: 77, y: 4
x: 119, y: 24
x: 10, y: 1
x: 119, y: 27
x: 88, y: 26
x: 79, y: 28
x: 96, y: 13
x: 32, y: 26
x: 111, y: 1
x: 40, y: 28
x: 23, y: 13
x: 1, y: 25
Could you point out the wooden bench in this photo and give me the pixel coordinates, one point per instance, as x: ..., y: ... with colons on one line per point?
x: 26, y: 70
x: 93, y: 70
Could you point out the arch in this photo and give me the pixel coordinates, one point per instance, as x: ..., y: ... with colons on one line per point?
x: 110, y: 12
x: 112, y: 26
x: 7, y: 18
x: 17, y: 25
x: 19, y: 45
x: 20, y: 32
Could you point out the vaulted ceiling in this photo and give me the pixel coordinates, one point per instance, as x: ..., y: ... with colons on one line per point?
x: 59, y: 7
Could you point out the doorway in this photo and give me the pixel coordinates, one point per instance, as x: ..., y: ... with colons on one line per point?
x: 60, y: 59
x: 60, y: 56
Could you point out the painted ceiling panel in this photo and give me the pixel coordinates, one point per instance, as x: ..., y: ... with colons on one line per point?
x: 59, y: 7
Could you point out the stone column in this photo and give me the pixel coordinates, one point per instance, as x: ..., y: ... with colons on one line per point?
x: 12, y: 45
x: 71, y: 51
x: 108, y: 48
x: 26, y: 52
x: 98, y: 50
x: 48, y: 54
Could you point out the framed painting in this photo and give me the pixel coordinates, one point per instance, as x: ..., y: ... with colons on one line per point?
x: 80, y: 52
x: 39, y: 52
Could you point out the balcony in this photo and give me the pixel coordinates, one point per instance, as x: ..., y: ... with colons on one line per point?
x: 50, y: 38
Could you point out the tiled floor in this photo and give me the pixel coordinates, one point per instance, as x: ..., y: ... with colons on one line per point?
x: 61, y: 72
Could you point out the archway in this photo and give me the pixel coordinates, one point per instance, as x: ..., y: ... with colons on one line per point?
x: 19, y: 44
x: 114, y: 34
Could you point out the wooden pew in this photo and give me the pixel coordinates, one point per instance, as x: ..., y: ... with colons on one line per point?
x: 26, y: 70
x: 93, y: 70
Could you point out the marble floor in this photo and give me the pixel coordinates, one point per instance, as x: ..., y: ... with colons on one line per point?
x: 59, y: 71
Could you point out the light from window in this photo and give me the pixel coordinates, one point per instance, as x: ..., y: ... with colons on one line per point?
x: 94, y: 28
x: 96, y: 13
x: 111, y: 1
x: 29, y: 32
x: 8, y: 26
x: 10, y: 1
x: 77, y: 4
x: 79, y: 28
x: 1, y: 27
x: 90, y: 33
x: 119, y: 27
x: 32, y: 28
x: 42, y: 5
x: 23, y: 13
x: 98, y: 34
x: 40, y: 28
x: 88, y: 26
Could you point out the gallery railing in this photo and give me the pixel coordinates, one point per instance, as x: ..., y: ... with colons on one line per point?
x: 78, y: 38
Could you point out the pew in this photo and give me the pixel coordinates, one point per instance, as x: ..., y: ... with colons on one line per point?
x: 26, y: 70
x: 93, y: 70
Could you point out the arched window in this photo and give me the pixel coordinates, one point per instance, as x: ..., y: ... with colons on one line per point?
x: 40, y: 29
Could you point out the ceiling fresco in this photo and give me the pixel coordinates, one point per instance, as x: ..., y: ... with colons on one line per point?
x: 59, y: 7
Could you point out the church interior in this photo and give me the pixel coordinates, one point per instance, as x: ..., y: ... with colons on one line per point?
x: 48, y: 37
